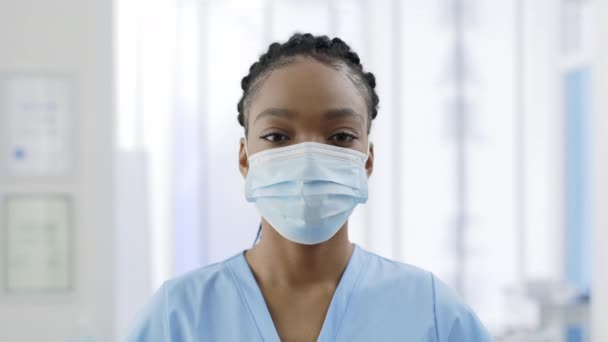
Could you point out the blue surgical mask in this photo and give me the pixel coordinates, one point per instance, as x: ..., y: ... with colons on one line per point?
x: 307, y: 191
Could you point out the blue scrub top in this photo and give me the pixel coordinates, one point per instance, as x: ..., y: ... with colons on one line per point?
x: 376, y: 300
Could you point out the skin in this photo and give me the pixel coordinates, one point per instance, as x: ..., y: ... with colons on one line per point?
x: 303, y: 101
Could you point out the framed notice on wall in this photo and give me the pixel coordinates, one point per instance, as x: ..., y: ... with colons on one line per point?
x: 38, y: 240
x: 36, y: 124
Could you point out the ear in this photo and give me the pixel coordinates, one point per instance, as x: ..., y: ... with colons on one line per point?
x: 369, y: 165
x: 243, y: 161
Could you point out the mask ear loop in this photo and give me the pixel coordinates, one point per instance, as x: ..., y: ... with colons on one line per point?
x: 259, y: 234
x: 245, y: 143
x: 258, y: 237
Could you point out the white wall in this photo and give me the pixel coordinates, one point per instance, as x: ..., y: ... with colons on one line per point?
x: 599, y: 303
x: 542, y: 135
x: 73, y: 37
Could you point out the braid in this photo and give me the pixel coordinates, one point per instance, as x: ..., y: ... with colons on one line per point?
x: 333, y: 52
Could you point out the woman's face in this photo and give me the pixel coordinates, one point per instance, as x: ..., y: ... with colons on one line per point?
x: 306, y: 101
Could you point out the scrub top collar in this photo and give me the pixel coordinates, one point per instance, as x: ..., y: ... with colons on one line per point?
x: 254, y: 300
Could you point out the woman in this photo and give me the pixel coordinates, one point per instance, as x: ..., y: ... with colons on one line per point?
x: 307, y: 109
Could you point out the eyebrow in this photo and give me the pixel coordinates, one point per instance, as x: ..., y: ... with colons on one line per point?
x: 340, y: 113
x: 276, y: 112
x: 332, y: 114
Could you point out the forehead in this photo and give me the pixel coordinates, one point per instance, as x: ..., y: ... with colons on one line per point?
x: 307, y: 86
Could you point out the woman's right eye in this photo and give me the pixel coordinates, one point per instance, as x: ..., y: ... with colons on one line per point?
x: 275, y: 137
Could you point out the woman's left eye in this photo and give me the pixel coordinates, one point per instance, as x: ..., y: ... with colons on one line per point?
x: 343, y: 137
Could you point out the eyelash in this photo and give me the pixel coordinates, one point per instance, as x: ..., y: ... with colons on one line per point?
x: 350, y: 137
x: 265, y: 136
x: 283, y: 137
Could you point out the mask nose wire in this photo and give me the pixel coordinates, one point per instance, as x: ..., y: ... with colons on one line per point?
x: 369, y: 144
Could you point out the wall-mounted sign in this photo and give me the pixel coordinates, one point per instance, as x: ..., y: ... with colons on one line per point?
x: 38, y: 242
x: 36, y: 117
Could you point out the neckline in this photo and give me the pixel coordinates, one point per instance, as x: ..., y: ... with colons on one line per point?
x: 256, y: 303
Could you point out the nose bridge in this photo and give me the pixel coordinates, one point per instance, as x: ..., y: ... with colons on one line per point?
x: 310, y: 127
x: 311, y: 138
x: 310, y: 135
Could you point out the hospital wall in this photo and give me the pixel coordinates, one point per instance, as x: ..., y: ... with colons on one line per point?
x: 71, y: 37
x: 75, y: 37
x: 599, y: 298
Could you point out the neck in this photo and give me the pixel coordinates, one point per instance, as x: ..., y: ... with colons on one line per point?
x: 280, y: 261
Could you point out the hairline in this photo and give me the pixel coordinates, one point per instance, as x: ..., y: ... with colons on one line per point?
x: 333, y: 62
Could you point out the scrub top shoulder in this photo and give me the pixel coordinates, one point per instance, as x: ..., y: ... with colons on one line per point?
x: 376, y: 300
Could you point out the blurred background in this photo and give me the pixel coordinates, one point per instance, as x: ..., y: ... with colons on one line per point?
x: 119, y: 144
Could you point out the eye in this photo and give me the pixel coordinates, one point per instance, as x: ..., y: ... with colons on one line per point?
x: 275, y: 137
x: 343, y: 137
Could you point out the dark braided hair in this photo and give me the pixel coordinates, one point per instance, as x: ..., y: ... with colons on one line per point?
x: 332, y: 52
